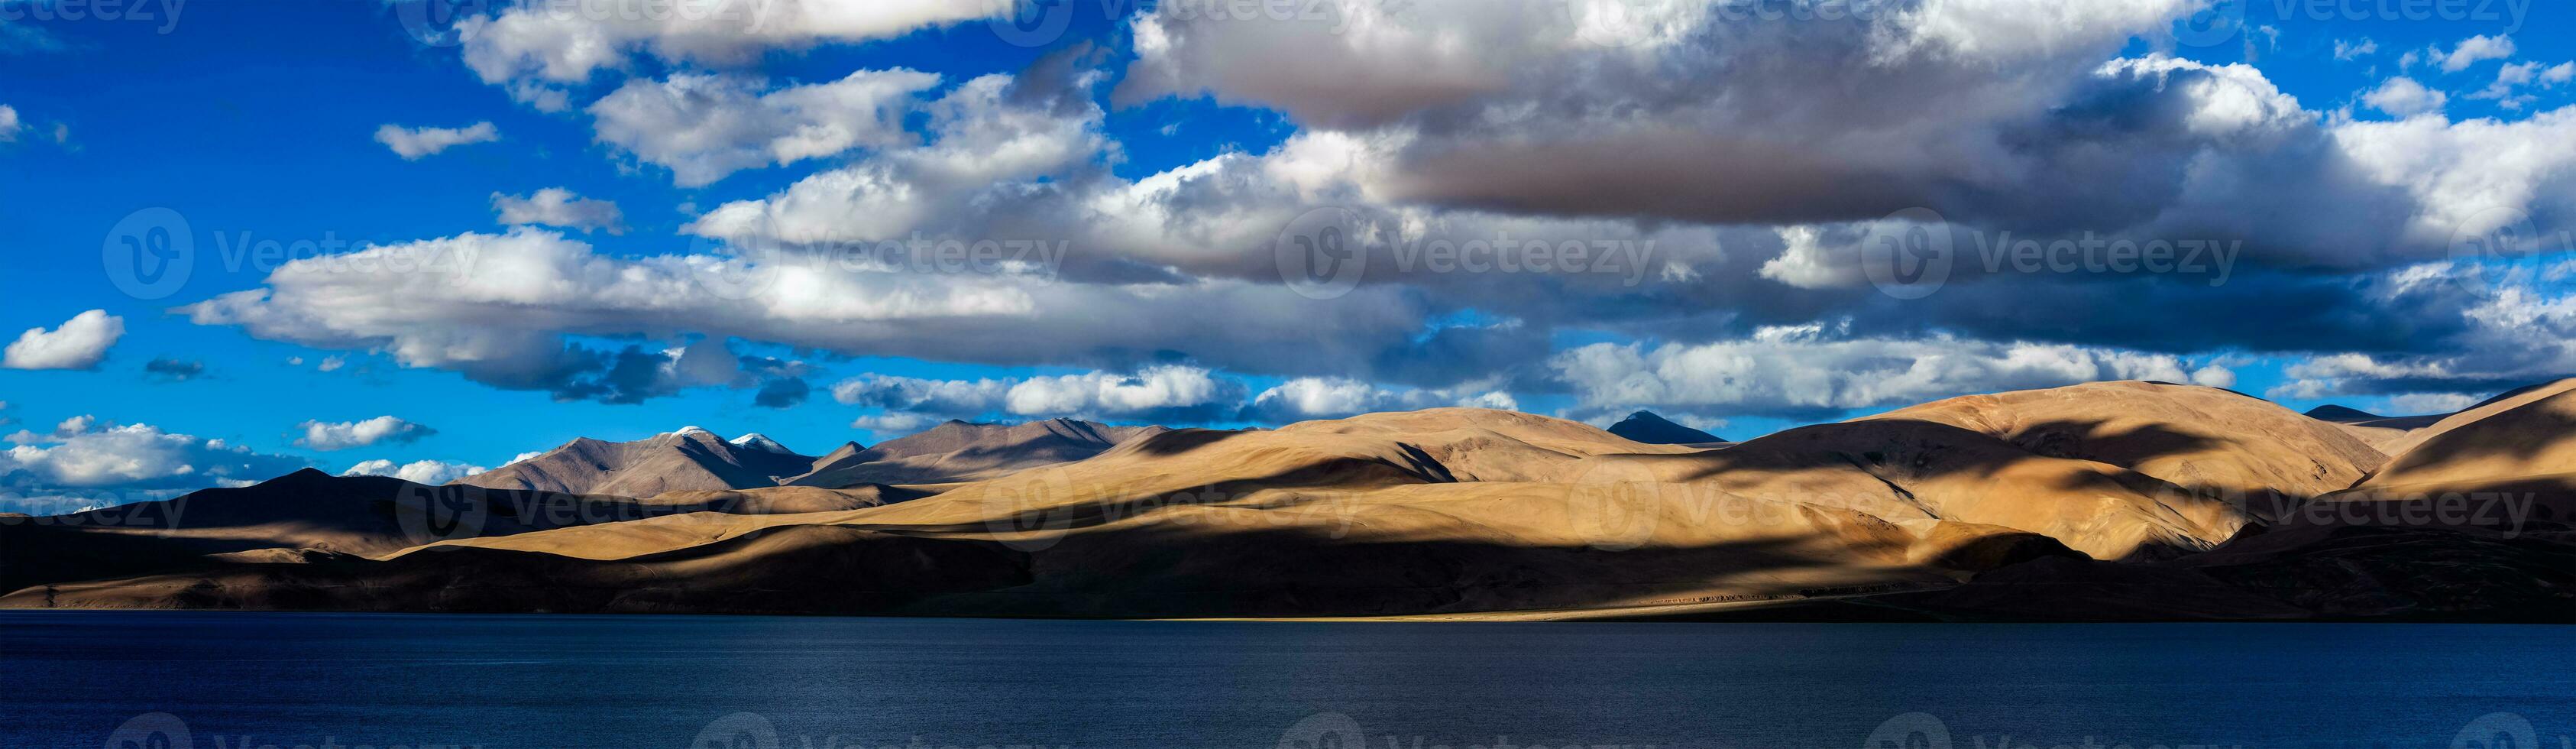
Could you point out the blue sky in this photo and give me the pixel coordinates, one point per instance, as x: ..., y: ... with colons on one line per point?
x: 256, y: 122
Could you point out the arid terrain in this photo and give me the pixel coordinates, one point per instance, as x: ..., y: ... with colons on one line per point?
x: 2107, y: 501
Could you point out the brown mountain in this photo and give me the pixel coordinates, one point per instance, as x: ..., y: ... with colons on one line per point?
x: 691, y: 459
x: 311, y: 513
x: 960, y: 451
x: 2107, y: 501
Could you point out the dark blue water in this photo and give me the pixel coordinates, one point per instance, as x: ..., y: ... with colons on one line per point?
x: 73, y: 679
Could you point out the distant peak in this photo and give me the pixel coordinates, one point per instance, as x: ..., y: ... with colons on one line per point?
x: 688, y: 433
x: 2340, y: 413
x: 761, y: 442
x: 1652, y: 429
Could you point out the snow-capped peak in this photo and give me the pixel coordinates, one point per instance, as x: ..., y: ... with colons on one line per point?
x: 761, y: 442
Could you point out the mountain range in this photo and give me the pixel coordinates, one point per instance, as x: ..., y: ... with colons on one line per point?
x: 2105, y: 501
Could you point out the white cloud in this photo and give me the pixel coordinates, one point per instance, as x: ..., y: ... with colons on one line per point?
x: 2403, y: 97
x: 913, y: 394
x: 2474, y: 50
x: 2431, y: 403
x: 415, y: 143
x: 2512, y: 77
x: 328, y: 436
x: 128, y: 463
x: 2519, y: 331
x: 432, y: 304
x: 10, y: 127
x: 2349, y: 51
x: 1166, y: 391
x: 1154, y: 390
x: 704, y: 127
x: 895, y: 423
x: 1812, y: 369
x: 2002, y: 116
x: 1333, y: 397
x: 79, y: 343
x: 566, y: 43
x: 431, y: 472
x: 982, y: 137
x: 556, y: 206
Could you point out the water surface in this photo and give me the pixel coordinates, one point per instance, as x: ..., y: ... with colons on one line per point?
x: 75, y: 678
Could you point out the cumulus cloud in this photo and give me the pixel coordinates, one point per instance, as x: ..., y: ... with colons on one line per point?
x: 894, y: 423
x: 560, y: 43
x: 556, y: 206
x: 2403, y: 97
x: 991, y: 129
x: 2473, y: 50
x: 1998, y: 116
x: 432, y: 472
x: 2519, y: 331
x: 1164, y: 393
x: 498, y: 308
x: 2431, y: 403
x: 79, y: 343
x: 704, y: 127
x: 2349, y: 51
x: 10, y: 126
x: 329, y: 436
x: 84, y: 464
x: 1332, y: 398
x: 1744, y: 160
x: 413, y: 144
x: 1814, y: 370
x: 2513, y: 77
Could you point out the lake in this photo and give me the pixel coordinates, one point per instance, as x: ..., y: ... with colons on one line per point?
x: 89, y: 679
